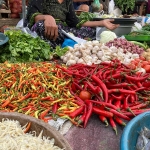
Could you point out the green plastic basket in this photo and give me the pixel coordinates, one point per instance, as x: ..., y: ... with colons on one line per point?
x: 138, y: 38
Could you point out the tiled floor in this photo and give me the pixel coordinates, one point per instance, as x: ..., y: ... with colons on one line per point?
x: 94, y: 137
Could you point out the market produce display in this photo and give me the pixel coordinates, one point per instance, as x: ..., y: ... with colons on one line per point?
x: 117, y: 92
x: 96, y: 52
x: 35, y: 89
x: 15, y: 136
x: 23, y: 47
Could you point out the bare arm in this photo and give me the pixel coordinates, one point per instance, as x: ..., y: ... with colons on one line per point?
x: 80, y: 1
x: 40, y: 17
x: 104, y: 23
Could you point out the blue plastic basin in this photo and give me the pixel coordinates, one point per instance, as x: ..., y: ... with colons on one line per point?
x: 3, y: 39
x: 132, y: 129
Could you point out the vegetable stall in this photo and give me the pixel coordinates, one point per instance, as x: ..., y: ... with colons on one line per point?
x: 99, y: 83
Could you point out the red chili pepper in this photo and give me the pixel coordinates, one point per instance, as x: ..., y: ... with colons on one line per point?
x: 119, y: 85
x: 110, y: 100
x: 125, y: 103
x: 140, y: 89
x: 28, y: 127
x: 82, y: 118
x: 77, y: 112
x: 121, y: 91
x: 24, y: 97
x: 118, y: 120
x: 54, y: 109
x: 142, y: 105
x: 146, y: 84
x: 78, y: 87
x: 89, y: 112
x: 139, y: 84
x: 6, y: 102
x: 117, y: 104
x: 118, y: 98
x: 104, y: 104
x: 103, y: 119
x: 136, y: 78
x: 46, y: 98
x: 44, y: 113
x: 112, y: 123
x: 116, y: 113
x: 115, y: 76
x: 136, y: 112
x: 102, y: 85
x: 102, y: 112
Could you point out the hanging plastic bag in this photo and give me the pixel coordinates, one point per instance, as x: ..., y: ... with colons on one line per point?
x: 111, y: 6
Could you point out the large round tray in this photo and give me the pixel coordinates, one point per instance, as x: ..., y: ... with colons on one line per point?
x: 38, y: 125
x: 121, y: 21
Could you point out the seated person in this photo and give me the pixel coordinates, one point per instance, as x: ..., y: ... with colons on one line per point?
x: 84, y: 5
x: 49, y: 17
x: 81, y: 5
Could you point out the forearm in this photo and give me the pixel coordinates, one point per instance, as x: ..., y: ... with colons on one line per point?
x: 40, y: 17
x: 93, y: 24
x: 80, y: 1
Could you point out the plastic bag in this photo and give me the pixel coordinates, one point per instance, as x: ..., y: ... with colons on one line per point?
x: 137, y: 26
x: 111, y: 6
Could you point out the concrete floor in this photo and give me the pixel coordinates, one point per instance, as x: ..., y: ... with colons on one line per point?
x: 94, y: 137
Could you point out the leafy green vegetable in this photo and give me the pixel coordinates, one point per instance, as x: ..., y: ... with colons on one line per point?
x: 124, y: 5
x: 139, y: 32
x: 86, y: 16
x: 60, y: 51
x: 23, y: 48
x: 146, y: 27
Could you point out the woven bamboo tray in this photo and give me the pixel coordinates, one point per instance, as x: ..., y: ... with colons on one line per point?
x: 9, y: 21
x: 38, y: 125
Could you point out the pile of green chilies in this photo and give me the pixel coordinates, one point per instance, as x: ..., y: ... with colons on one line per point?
x: 37, y: 89
x: 118, y: 93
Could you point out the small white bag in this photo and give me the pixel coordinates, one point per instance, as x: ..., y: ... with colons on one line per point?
x: 111, y: 6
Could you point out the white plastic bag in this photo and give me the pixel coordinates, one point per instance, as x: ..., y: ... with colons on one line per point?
x: 111, y: 6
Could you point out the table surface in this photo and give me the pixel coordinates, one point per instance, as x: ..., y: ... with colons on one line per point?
x: 96, y: 136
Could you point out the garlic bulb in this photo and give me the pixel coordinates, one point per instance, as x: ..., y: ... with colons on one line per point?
x: 70, y: 62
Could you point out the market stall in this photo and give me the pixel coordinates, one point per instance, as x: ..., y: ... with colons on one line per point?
x: 89, y: 88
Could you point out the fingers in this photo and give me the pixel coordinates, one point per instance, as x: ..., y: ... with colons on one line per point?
x: 51, y: 32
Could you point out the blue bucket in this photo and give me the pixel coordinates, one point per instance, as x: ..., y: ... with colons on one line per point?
x: 3, y: 39
x: 131, y: 131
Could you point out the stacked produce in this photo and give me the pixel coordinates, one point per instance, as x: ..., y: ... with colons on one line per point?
x: 96, y: 52
x: 16, y: 8
x: 23, y: 47
x: 111, y: 90
x: 126, y: 46
x: 36, y: 89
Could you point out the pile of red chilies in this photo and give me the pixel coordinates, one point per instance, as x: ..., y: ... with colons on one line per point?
x: 118, y: 93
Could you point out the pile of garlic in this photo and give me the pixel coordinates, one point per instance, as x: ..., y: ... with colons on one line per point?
x: 94, y: 52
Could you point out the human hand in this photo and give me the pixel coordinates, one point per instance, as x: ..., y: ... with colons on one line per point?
x: 109, y: 25
x: 51, y: 29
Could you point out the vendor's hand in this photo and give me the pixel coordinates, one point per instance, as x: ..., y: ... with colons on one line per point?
x: 51, y: 29
x: 109, y: 25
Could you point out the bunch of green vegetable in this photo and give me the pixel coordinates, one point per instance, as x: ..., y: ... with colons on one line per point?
x: 146, y: 27
x: 23, y: 48
x: 139, y: 32
x: 85, y: 16
x: 124, y: 5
